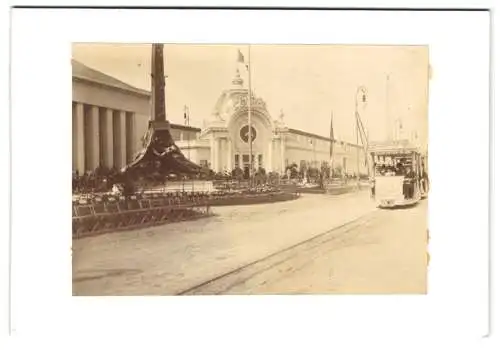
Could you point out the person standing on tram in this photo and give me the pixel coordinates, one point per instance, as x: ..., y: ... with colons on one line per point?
x: 409, y: 183
x: 425, y: 179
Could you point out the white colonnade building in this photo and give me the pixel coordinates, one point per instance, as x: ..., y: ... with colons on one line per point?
x: 110, y: 118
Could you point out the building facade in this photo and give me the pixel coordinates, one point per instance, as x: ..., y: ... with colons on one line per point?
x: 111, y: 117
x: 222, y: 144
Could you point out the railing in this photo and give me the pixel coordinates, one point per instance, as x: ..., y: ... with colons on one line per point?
x: 113, y: 214
x: 167, y: 197
x: 182, y: 186
x: 133, y: 205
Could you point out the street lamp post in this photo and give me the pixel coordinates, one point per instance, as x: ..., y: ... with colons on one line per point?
x: 387, y: 109
x: 360, y: 93
x: 187, y: 123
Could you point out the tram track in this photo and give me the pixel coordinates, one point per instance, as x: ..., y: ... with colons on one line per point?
x: 227, y: 281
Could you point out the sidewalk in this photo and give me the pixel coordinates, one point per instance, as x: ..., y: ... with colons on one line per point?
x: 168, y: 259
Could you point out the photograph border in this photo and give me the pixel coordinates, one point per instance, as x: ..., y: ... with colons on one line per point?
x: 53, y: 52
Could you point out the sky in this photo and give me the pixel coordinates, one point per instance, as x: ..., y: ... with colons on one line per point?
x: 308, y: 83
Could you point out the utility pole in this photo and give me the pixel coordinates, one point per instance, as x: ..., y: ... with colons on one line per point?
x: 360, y: 90
x: 250, y: 133
x: 390, y: 137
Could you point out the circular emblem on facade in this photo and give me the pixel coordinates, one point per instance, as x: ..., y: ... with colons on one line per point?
x: 244, y: 133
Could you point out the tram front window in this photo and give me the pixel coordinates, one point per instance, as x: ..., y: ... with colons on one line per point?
x: 391, y: 167
x: 385, y: 170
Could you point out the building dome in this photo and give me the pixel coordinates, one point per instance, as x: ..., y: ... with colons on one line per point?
x: 234, y: 101
x: 237, y: 80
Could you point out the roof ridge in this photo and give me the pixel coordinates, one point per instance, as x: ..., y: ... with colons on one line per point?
x: 83, y: 71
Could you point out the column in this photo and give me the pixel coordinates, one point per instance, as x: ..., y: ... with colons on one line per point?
x: 94, y: 137
x: 229, y: 150
x: 212, y: 153
x: 282, y: 153
x: 217, y: 155
x: 270, y: 156
x: 122, y: 132
x: 79, y: 135
x: 131, y: 137
x: 108, y: 138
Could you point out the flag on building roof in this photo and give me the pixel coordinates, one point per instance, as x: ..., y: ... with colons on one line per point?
x: 241, y: 58
x: 186, y: 115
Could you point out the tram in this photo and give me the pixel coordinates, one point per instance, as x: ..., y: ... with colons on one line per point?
x: 399, y: 174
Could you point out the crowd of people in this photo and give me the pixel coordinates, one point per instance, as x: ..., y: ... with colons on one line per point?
x: 99, y: 180
x: 104, y: 181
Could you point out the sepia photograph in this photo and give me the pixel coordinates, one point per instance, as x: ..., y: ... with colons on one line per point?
x: 249, y: 169
x: 299, y: 173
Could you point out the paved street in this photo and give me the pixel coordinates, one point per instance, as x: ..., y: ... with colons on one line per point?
x: 375, y: 252
x: 383, y: 253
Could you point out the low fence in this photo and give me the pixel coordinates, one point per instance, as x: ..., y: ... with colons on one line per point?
x: 183, y: 186
x: 177, y: 201
x: 103, y: 213
x: 95, y: 214
x: 169, y: 187
x: 252, y: 198
x: 96, y: 217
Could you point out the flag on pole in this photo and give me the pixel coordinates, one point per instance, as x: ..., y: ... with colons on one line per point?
x: 186, y: 116
x: 241, y: 59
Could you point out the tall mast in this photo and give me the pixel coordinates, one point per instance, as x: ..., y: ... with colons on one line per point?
x: 390, y: 136
x: 250, y: 134
x: 159, y: 145
x: 332, y: 146
x: 360, y: 129
x: 356, y: 119
x: 357, y: 146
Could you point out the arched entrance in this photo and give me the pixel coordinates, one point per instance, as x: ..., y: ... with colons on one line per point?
x: 260, y: 133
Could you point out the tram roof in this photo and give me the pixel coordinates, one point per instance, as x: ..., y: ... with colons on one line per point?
x: 403, y: 147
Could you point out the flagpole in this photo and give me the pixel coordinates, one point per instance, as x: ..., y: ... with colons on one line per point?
x: 357, y: 148
x: 390, y: 137
x: 250, y: 134
x: 332, y: 160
